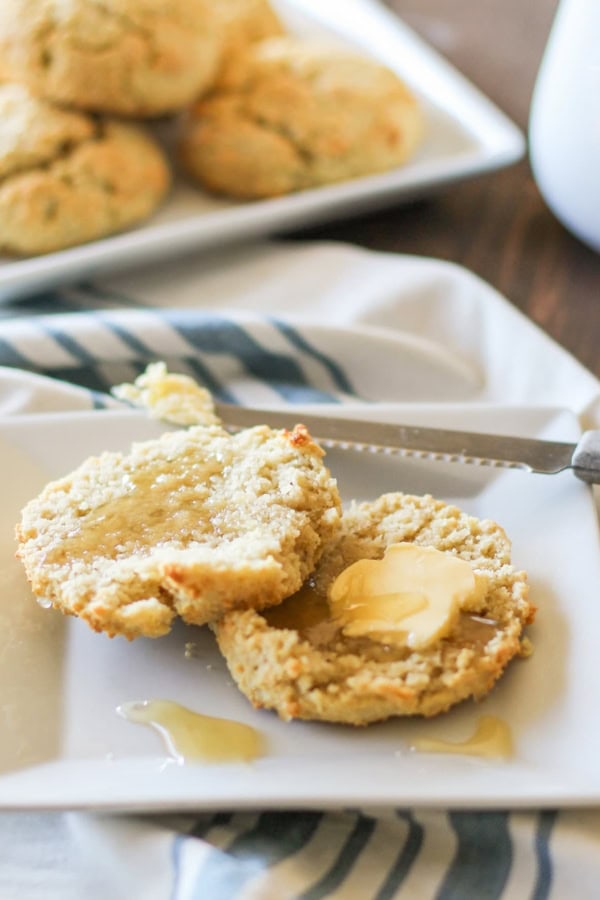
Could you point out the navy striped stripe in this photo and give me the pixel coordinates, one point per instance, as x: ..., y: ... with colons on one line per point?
x: 543, y: 882
x: 222, y: 336
x: 68, y: 342
x: 50, y: 302
x: 9, y: 356
x: 349, y: 854
x: 275, y: 837
x: 199, y: 829
x: 130, y: 339
x: 483, y: 858
x: 405, y: 859
x: 202, y: 332
x: 339, y: 377
x: 201, y: 372
x: 82, y: 376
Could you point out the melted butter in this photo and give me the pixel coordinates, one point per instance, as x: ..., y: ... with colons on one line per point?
x: 307, y: 612
x: 190, y: 736
x: 171, y: 397
x: 475, y: 631
x: 412, y: 596
x: 148, y: 510
x: 492, y: 738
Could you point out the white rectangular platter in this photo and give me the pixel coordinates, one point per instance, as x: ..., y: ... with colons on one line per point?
x: 466, y: 135
x: 64, y: 745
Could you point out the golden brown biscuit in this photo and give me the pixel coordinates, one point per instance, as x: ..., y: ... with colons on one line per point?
x: 296, y: 660
x: 290, y: 114
x: 192, y: 524
x: 67, y: 178
x: 245, y: 22
x: 128, y: 57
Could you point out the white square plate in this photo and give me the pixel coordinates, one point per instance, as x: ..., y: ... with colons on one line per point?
x: 64, y: 746
x: 466, y: 135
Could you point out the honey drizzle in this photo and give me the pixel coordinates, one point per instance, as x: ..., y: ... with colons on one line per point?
x: 492, y: 738
x: 191, y: 736
x: 307, y: 612
x: 134, y: 520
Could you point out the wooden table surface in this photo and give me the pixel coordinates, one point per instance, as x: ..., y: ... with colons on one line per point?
x: 496, y: 225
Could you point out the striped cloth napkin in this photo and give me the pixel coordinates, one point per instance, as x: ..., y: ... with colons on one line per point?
x: 294, y: 323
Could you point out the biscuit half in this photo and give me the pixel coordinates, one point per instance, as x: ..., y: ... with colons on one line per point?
x: 295, y: 660
x: 193, y: 524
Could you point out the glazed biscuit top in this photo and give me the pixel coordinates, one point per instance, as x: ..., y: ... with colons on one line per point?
x: 192, y: 524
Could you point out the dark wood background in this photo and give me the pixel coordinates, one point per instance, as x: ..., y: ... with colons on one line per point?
x: 497, y: 225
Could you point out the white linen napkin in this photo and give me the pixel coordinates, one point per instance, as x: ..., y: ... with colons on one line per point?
x: 294, y: 323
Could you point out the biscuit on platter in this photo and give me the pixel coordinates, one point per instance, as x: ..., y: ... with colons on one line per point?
x: 245, y: 22
x: 192, y: 524
x: 67, y: 178
x: 128, y: 57
x: 290, y: 114
x: 297, y: 660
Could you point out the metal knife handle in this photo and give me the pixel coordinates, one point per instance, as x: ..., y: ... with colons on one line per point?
x: 586, y: 458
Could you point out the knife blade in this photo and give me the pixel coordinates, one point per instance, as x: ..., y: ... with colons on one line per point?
x: 440, y: 444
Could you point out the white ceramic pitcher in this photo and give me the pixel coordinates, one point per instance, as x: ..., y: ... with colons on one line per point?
x: 564, y: 126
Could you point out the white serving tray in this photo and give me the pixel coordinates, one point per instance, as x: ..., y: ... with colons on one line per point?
x: 467, y: 135
x: 60, y: 683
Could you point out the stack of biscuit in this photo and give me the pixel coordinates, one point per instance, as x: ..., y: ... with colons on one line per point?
x: 246, y: 533
x: 262, y: 113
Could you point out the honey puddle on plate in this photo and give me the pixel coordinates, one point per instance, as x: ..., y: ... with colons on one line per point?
x: 492, y: 738
x: 193, y: 737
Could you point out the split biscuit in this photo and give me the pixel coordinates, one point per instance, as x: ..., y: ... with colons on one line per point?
x: 290, y: 114
x: 128, y: 57
x: 296, y: 660
x: 192, y: 524
x: 67, y: 178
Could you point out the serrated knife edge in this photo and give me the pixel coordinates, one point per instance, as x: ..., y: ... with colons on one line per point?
x: 531, y: 454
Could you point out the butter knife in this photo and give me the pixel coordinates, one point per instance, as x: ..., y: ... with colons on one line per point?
x: 500, y: 451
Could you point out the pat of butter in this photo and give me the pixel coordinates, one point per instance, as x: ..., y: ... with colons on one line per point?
x: 413, y: 596
x: 173, y: 398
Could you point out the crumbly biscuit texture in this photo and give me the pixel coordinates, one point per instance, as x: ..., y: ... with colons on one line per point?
x: 356, y: 680
x: 66, y: 178
x: 128, y: 57
x: 290, y: 114
x: 192, y: 524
